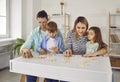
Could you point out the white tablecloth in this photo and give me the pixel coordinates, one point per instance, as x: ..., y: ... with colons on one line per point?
x: 74, y: 69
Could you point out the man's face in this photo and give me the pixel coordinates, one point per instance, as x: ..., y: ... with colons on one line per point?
x: 42, y: 22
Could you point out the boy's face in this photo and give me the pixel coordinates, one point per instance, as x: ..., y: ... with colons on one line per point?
x: 91, y: 35
x: 51, y: 34
x: 42, y: 22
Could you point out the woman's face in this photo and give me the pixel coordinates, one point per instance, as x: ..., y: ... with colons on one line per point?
x: 81, y: 29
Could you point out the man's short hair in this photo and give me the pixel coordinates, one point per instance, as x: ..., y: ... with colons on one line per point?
x: 42, y: 14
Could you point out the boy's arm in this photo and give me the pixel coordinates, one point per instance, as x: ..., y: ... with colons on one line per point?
x: 60, y: 46
x: 40, y: 47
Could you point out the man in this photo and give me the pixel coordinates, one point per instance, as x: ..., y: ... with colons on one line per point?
x: 36, y: 35
x: 34, y: 38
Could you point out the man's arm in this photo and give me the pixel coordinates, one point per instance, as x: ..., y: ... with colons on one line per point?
x: 25, y: 48
x: 29, y: 42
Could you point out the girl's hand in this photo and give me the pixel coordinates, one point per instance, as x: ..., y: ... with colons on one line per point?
x: 67, y: 53
x: 89, y: 55
x: 55, y: 48
x: 42, y: 52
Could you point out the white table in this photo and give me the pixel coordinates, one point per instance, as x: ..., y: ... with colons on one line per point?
x: 73, y: 69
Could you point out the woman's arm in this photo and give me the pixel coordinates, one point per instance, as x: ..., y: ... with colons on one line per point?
x: 102, y: 52
x: 68, y: 49
x: 69, y: 41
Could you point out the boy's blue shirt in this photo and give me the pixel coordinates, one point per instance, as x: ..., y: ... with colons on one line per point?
x: 34, y: 38
x: 58, y: 42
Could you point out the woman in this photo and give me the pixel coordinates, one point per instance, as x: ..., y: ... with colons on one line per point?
x: 77, y: 39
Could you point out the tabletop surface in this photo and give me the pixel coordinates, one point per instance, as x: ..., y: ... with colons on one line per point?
x: 95, y: 64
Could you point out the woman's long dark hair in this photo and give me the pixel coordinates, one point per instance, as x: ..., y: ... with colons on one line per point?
x: 98, y: 37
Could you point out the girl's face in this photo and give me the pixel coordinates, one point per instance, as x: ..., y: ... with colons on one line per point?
x: 51, y: 34
x: 81, y: 29
x: 91, y: 35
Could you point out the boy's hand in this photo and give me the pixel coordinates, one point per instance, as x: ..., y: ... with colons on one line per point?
x: 55, y: 48
x: 42, y: 52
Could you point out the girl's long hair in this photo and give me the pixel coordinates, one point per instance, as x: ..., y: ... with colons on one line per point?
x: 98, y: 37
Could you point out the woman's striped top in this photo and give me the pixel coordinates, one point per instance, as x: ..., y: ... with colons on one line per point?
x: 78, y: 46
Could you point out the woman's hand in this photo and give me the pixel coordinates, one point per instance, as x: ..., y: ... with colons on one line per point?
x: 89, y: 55
x: 42, y: 52
x: 67, y: 53
x: 55, y: 48
x: 26, y: 53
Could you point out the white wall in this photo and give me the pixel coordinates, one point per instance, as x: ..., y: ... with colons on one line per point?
x: 23, y: 17
x: 29, y: 11
x: 95, y: 11
x: 36, y: 9
x: 23, y: 13
x: 27, y: 17
x: 15, y: 18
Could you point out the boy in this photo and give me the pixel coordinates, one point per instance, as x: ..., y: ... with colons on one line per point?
x: 51, y: 42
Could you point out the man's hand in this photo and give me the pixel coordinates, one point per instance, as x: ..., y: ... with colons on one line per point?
x: 42, y: 52
x: 55, y: 48
x: 26, y: 53
x: 67, y: 53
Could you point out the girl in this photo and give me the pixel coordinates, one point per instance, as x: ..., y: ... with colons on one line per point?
x: 95, y: 42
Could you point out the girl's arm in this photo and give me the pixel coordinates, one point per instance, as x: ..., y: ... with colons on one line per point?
x: 100, y: 52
